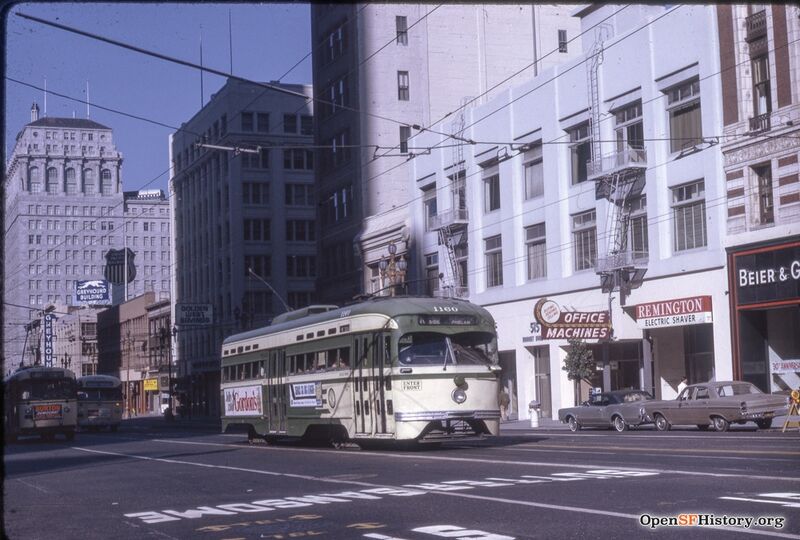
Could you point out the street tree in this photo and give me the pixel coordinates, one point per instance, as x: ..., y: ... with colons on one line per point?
x: 579, y: 364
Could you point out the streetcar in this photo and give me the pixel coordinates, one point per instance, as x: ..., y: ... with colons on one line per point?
x: 389, y: 369
x: 40, y: 401
x: 99, y: 402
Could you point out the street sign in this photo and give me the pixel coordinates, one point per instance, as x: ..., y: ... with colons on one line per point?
x: 48, y: 339
x: 194, y: 314
x: 93, y: 291
x: 115, y: 266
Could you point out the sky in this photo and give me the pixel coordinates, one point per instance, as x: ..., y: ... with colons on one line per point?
x: 268, y: 39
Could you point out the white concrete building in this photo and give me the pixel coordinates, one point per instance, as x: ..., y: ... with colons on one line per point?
x: 236, y: 211
x: 536, y: 228
x: 387, y: 70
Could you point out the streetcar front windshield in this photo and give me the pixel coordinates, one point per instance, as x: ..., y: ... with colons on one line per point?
x: 100, y: 394
x: 47, y: 389
x: 430, y: 348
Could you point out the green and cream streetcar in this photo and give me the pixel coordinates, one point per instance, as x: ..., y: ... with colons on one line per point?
x: 387, y: 369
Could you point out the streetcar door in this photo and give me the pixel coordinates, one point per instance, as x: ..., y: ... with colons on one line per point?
x: 280, y: 388
x: 361, y: 401
x: 380, y: 381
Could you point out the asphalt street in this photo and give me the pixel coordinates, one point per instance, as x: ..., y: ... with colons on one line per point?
x: 158, y: 480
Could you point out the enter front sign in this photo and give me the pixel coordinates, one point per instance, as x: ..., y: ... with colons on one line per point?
x: 678, y: 312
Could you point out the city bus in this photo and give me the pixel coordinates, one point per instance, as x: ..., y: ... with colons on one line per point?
x: 40, y: 401
x: 99, y: 402
x: 389, y: 369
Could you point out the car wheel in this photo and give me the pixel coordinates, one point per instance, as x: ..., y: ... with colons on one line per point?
x: 764, y: 424
x: 573, y: 424
x: 662, y: 424
x: 70, y: 435
x: 702, y: 427
x: 720, y: 424
x: 619, y: 424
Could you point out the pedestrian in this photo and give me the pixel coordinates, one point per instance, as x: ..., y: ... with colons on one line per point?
x: 504, y: 401
x: 682, y: 384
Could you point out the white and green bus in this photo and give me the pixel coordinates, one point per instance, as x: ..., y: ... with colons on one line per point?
x: 99, y: 402
x: 387, y: 369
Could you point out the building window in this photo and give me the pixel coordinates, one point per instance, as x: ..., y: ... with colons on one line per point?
x: 580, y: 150
x: 71, y: 185
x: 260, y: 264
x: 536, y: 251
x: 306, y: 124
x: 247, y: 121
x: 762, y: 104
x: 105, y: 182
x: 335, y: 44
x: 402, y: 85
x: 301, y: 266
x: 432, y: 273
x: 689, y: 216
x: 290, y: 123
x: 405, y: 134
x: 263, y: 122
x: 493, y: 247
x: 299, y: 195
x: 584, y: 238
x: 629, y: 130
x: 300, y: 230
x: 534, y: 173
x: 298, y: 159
x: 255, y: 193
x: 88, y: 182
x: 337, y: 95
x: 339, y: 152
x: 401, y: 23
x: 256, y: 230
x: 491, y: 191
x: 52, y: 180
x: 766, y: 212
x: 562, y: 41
x: 685, y: 125
x: 34, y: 180
x: 429, y: 205
x: 638, y: 228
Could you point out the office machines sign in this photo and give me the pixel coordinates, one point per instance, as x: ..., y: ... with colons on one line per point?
x: 559, y: 324
x: 194, y: 314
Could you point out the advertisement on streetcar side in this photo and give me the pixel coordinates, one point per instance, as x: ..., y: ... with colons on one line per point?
x: 305, y: 394
x: 243, y: 401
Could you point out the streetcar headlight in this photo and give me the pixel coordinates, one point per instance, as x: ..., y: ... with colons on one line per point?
x: 459, y: 396
x: 66, y: 408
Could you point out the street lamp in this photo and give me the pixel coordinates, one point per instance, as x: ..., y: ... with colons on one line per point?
x: 393, y: 268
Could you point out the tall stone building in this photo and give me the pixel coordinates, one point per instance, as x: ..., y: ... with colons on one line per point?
x: 63, y: 187
x: 387, y: 70
x: 250, y: 207
x: 65, y: 209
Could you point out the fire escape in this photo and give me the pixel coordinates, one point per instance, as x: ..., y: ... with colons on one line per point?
x: 452, y: 224
x: 619, y: 177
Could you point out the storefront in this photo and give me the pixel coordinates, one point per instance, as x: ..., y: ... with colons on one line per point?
x: 764, y: 281
x: 679, y: 333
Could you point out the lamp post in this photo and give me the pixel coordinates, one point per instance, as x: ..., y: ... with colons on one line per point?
x: 393, y: 268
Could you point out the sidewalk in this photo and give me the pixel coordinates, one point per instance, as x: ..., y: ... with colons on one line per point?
x: 544, y: 423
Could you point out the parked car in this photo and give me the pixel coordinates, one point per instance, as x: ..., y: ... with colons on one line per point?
x: 718, y: 404
x: 619, y: 410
